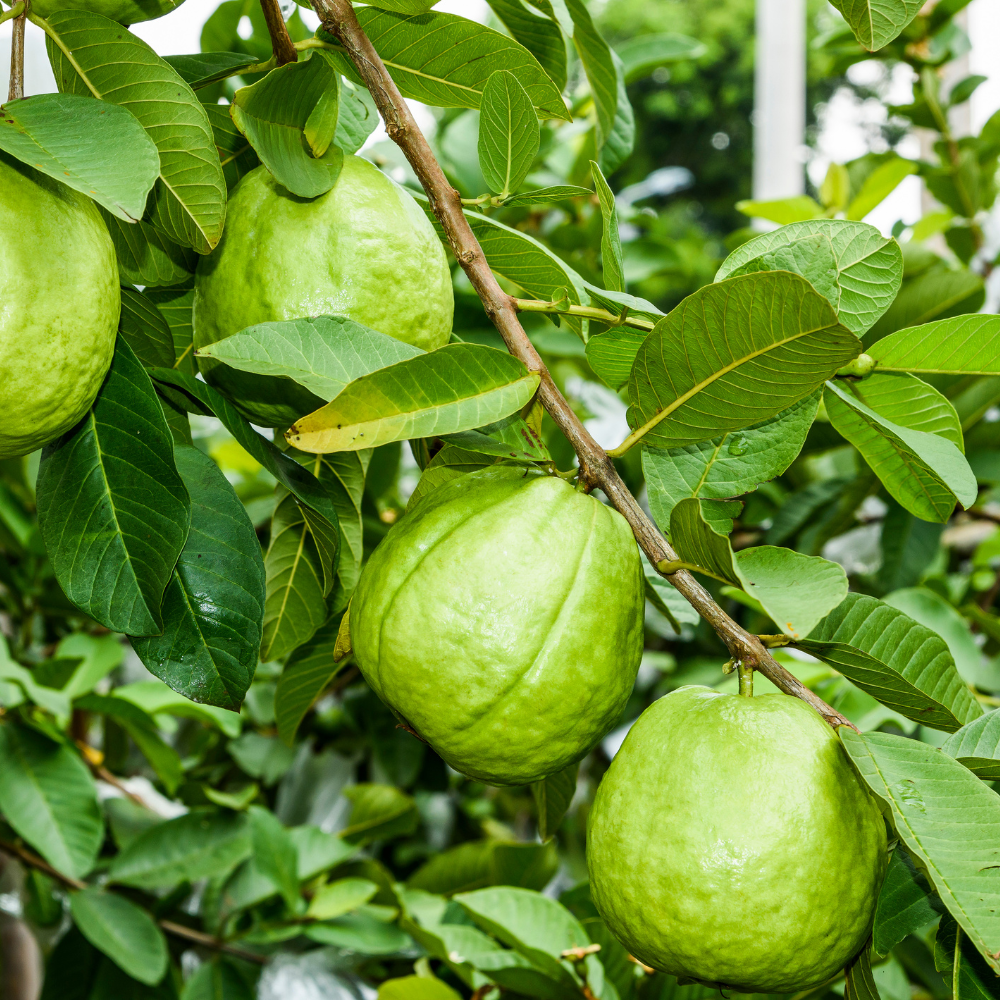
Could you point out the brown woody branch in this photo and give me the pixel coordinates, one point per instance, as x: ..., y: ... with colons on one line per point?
x: 16, y: 89
x: 177, y: 930
x: 596, y: 468
x: 281, y: 42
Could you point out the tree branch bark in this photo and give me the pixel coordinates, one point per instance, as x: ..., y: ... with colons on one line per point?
x: 16, y: 90
x: 596, y: 468
x: 281, y: 42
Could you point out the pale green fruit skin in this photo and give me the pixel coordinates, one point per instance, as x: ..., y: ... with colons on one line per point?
x: 123, y: 11
x: 59, y: 307
x: 732, y: 842
x: 502, y: 618
x: 364, y: 249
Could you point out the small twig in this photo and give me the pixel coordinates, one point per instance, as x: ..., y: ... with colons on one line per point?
x: 746, y: 679
x: 95, y: 761
x: 16, y: 91
x: 281, y: 43
x: 648, y: 969
x: 484, y: 991
x: 580, y: 953
x: 585, y: 312
x: 177, y: 930
x: 16, y: 11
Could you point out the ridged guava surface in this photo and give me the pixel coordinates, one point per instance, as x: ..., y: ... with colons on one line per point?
x: 59, y: 307
x: 365, y: 249
x: 502, y: 619
x: 732, y: 842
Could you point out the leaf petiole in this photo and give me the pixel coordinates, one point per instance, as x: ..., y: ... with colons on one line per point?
x: 16, y: 11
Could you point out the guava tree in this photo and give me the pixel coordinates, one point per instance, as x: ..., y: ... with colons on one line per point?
x: 174, y: 260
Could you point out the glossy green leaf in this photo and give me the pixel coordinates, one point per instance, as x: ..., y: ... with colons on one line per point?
x: 154, y: 697
x: 11, y: 672
x: 68, y: 136
x: 727, y: 466
x: 732, y: 355
x: 612, y: 354
x: 509, y: 133
x: 784, y: 211
x: 598, y: 64
x: 541, y: 36
x: 307, y: 674
x: 145, y: 330
x: 910, y: 402
x: 416, y: 988
x: 962, y: 345
x: 295, y: 606
x: 552, y: 797
x: 357, y: 119
x: 290, y: 118
x: 202, y: 68
x: 274, y: 853
x: 925, y: 473
x: 194, y: 846
x: 902, y: 664
x: 214, y: 603
x: 323, y: 353
x: 908, y: 546
x: 620, y: 141
x: 859, y: 982
x: 611, y: 241
x: 868, y: 267
x: 445, y: 60
x: 977, y: 746
x: 236, y: 155
x: 949, y: 821
x: 126, y: 933
x: 361, y: 931
x: 547, y: 195
x: 48, y: 796
x: 878, y: 185
x: 216, y: 980
x: 145, y: 256
x: 100, y: 655
x: 906, y: 903
x: 954, y: 955
x: 453, y: 389
x: 113, y: 510
x: 91, y: 55
x: 337, y: 898
x: 875, y: 23
x: 644, y: 53
x: 478, y: 864
x: 343, y: 474
x: 377, y: 812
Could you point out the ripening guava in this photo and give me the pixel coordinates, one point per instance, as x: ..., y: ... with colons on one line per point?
x: 501, y: 618
x: 59, y: 307
x: 365, y: 249
x: 732, y: 842
x: 123, y: 11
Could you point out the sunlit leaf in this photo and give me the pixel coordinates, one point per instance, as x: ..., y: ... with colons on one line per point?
x: 508, y: 133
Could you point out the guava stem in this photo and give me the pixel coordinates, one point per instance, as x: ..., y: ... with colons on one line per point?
x: 16, y: 90
x: 16, y: 11
x: 585, y: 312
x: 746, y: 679
x: 281, y: 44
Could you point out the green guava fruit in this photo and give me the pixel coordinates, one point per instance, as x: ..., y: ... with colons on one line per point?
x: 59, y: 306
x: 364, y: 249
x: 502, y: 619
x: 123, y: 11
x: 731, y: 842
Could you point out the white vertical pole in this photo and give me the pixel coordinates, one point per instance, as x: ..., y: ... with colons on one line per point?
x: 779, y: 99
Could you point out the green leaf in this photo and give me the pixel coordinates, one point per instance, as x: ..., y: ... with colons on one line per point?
x: 902, y: 664
x: 875, y: 23
x: 213, y: 606
x: 274, y: 853
x: 553, y: 796
x: 445, y: 60
x: 322, y: 353
x: 236, y: 155
x: 784, y: 211
x: 191, y: 847
x: 908, y: 547
x: 416, y: 988
x: 969, y: 973
x: 727, y: 466
x: 262, y: 757
x: 906, y: 400
x: 644, y: 53
x: 157, y: 699
x: 868, y: 266
x: 295, y: 606
x: 906, y: 903
x: 343, y: 474
x: 508, y: 133
x: 732, y: 355
x: 145, y: 257
x: 337, y: 898
x: 48, y: 796
x: 546, y: 195
x: 478, y: 864
x: 290, y: 118
x: 541, y: 36
x: 56, y: 702
x: 949, y: 821
x: 356, y: 120
x: 618, y: 146
x: 878, y: 185
x: 362, y: 932
x: 977, y: 746
x: 126, y: 933
x: 378, y: 812
x: 91, y: 54
x: 216, y: 980
x: 860, y: 983
x: 202, y: 68
x: 68, y: 137
x: 598, y: 64
x: 925, y: 473
x: 145, y: 330
x: 113, y: 510
x: 453, y: 389
x: 612, y: 354
x: 962, y: 345
x: 100, y: 655
x: 307, y: 674
x: 611, y: 242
